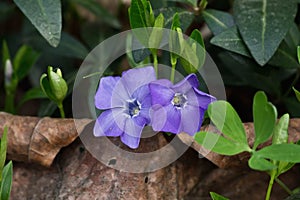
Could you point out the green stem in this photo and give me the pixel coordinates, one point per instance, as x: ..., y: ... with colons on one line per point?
x: 283, y: 186
x: 155, y: 62
x: 9, y: 103
x: 268, y: 195
x: 172, y: 77
x: 61, y: 110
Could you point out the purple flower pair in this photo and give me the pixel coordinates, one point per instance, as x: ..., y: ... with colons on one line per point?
x: 137, y: 99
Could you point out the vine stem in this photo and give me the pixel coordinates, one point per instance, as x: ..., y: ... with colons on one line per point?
x: 283, y: 186
x: 173, y: 72
x: 268, y: 195
x: 61, y: 110
x: 155, y: 61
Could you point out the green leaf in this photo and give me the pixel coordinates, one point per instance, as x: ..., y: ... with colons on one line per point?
x: 6, y: 182
x: 216, y: 196
x: 263, y: 24
x: 33, y: 93
x: 3, y: 148
x: 186, y: 17
x: 190, y: 2
x: 218, y: 21
x: 231, y: 40
x: 280, y: 134
x: 69, y: 47
x: 227, y: 121
x: 157, y: 32
x: 281, y: 152
x: 264, y: 117
x: 283, y: 167
x: 5, y: 53
x: 137, y: 14
x: 45, y: 16
x: 261, y: 164
x: 24, y: 60
x: 193, y: 56
x: 298, y: 53
x: 102, y: 13
x: 284, y: 58
x: 219, y: 144
x: 297, y: 93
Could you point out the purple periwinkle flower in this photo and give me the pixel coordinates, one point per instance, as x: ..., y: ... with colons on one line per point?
x: 126, y: 102
x: 180, y: 107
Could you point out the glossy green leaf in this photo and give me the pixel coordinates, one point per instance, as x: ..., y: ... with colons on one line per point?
x: 281, y: 152
x: 6, y: 182
x: 231, y: 40
x: 218, y: 21
x: 284, y: 58
x: 241, y: 71
x: 34, y: 93
x: 264, y: 118
x: 216, y: 196
x: 263, y: 24
x: 280, y: 134
x: 102, y: 13
x: 69, y: 47
x: 261, y: 164
x: 141, y: 14
x: 3, y: 148
x: 190, y: 2
x: 186, y: 17
x: 225, y: 118
x: 45, y: 16
x: 24, y: 59
x: 219, y: 144
x: 297, y: 93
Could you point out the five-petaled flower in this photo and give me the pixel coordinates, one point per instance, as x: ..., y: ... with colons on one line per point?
x: 180, y: 107
x: 126, y: 102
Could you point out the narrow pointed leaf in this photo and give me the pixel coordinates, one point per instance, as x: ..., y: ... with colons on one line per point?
x: 216, y: 196
x: 157, y: 32
x: 264, y: 117
x: 24, y: 59
x: 5, y: 53
x: 297, y: 93
x: 45, y: 16
x: 263, y: 24
x: 3, y: 148
x: 6, y: 182
x: 227, y: 121
x: 34, y: 93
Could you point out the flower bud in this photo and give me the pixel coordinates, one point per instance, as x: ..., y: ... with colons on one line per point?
x: 53, y: 85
